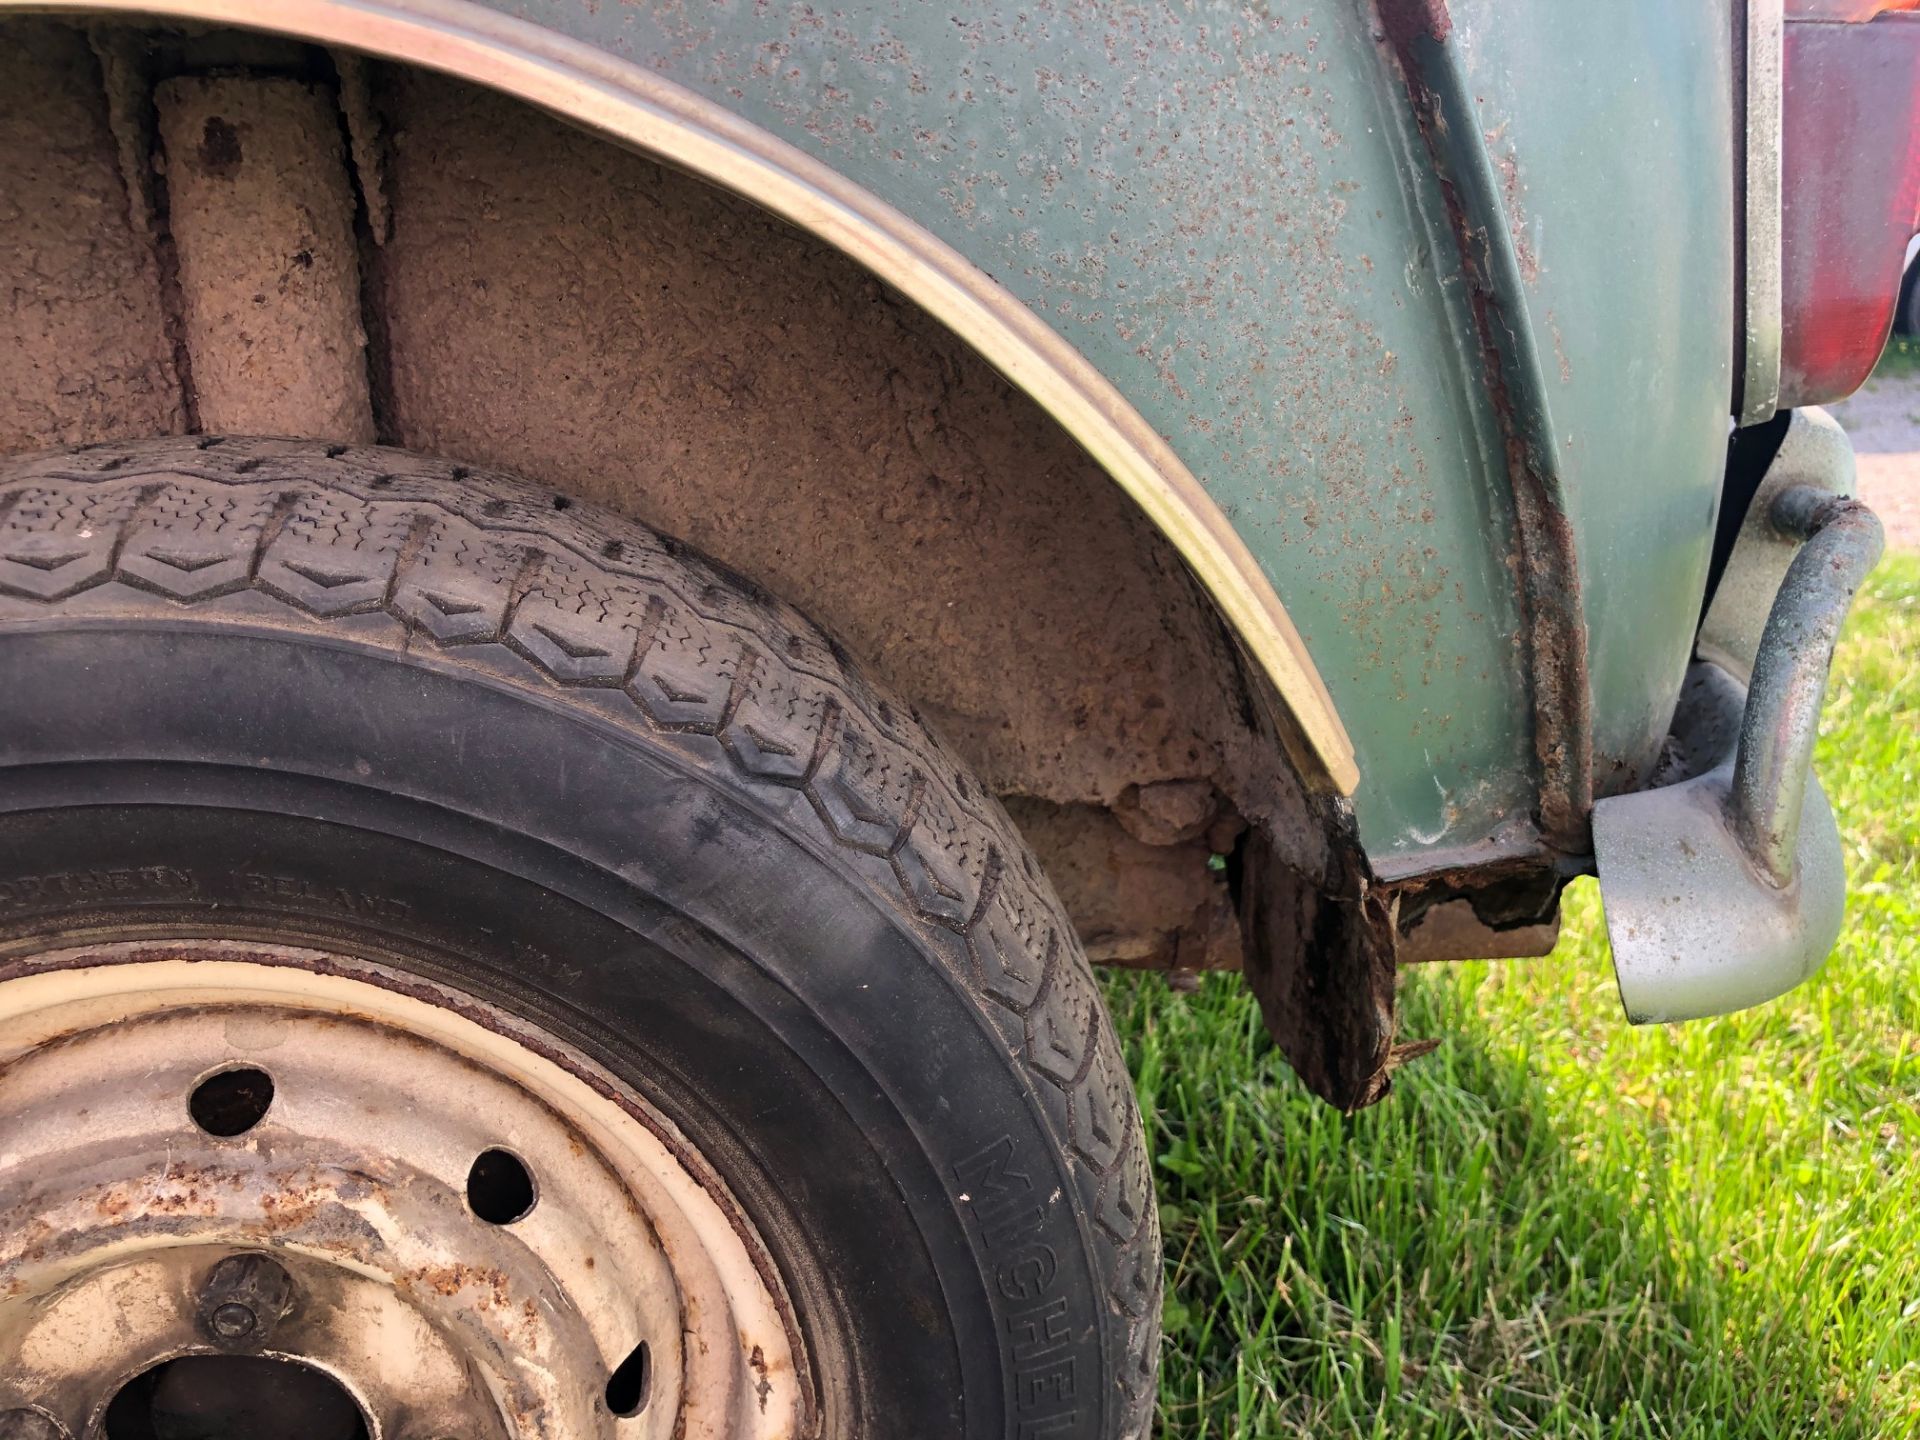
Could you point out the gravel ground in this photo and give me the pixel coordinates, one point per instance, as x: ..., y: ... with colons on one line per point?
x: 1884, y: 421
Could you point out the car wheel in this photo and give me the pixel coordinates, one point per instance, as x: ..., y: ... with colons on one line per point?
x: 471, y: 966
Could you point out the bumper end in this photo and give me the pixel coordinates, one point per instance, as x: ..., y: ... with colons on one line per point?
x: 1697, y: 927
x: 1725, y: 885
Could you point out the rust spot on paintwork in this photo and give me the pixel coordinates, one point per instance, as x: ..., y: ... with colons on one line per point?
x: 763, y: 1369
x: 1247, y: 303
x: 1559, y: 349
x: 285, y: 1212
x: 479, y: 1284
x: 1511, y: 191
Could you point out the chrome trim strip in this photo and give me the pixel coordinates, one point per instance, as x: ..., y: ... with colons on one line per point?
x: 1760, y: 379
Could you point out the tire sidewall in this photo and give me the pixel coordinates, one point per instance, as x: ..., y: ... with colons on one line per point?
x: 818, y: 1046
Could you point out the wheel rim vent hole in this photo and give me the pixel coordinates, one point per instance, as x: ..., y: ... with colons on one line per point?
x: 231, y: 1102
x: 500, y: 1187
x: 627, y: 1388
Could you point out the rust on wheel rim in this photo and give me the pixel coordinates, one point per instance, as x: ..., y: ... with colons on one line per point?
x: 224, y: 1153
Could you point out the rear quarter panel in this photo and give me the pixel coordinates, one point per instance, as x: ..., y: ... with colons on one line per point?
x: 1228, y: 212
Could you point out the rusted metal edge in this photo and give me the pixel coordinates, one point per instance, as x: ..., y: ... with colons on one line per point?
x: 1320, y: 937
x: 1323, y: 943
x: 1418, y: 34
x: 1320, y: 959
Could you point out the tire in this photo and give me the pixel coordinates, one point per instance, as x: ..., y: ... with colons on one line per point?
x: 447, y: 720
x: 1906, y: 314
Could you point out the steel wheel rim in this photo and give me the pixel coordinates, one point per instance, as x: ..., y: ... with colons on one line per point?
x: 621, y: 1277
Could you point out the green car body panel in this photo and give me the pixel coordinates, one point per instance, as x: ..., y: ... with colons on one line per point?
x: 1229, y: 213
x: 1342, y: 257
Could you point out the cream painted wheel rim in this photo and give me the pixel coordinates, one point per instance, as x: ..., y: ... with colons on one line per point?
x: 116, y: 1204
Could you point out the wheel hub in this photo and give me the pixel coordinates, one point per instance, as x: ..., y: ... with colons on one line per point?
x: 231, y: 1172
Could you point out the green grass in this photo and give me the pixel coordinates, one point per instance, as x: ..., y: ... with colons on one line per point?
x: 1558, y: 1225
x: 1900, y: 358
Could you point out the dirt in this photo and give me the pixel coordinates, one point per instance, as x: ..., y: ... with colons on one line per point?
x: 261, y: 215
x: 80, y: 316
x: 1151, y: 905
x: 1884, y: 421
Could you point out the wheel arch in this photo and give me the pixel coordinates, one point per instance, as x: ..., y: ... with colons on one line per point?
x: 646, y: 112
x: 1295, y: 884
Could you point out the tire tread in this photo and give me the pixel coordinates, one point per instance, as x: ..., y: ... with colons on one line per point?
x: 505, y: 575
